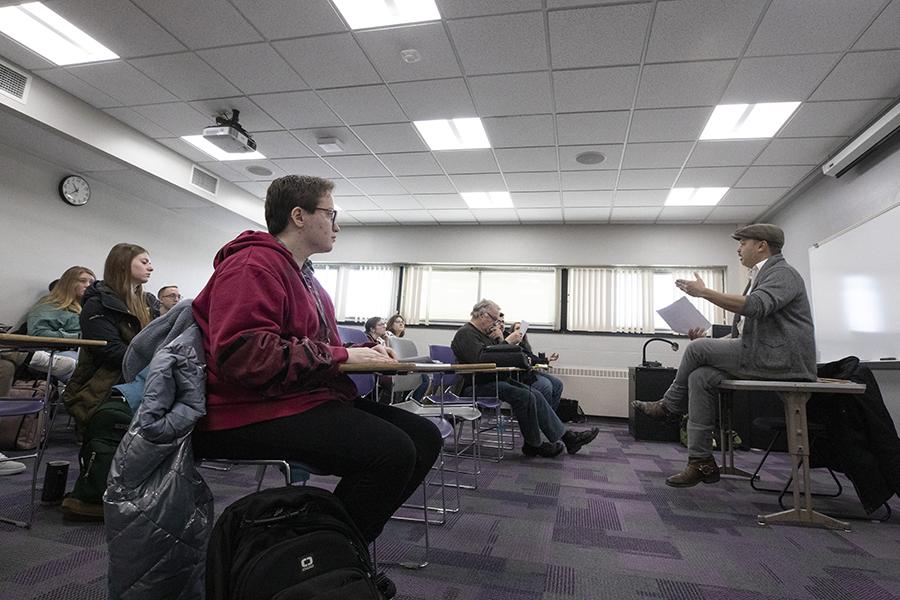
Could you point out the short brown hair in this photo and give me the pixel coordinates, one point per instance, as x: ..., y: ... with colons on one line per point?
x: 290, y: 191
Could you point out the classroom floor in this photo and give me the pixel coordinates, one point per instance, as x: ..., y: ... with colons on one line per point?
x: 601, y: 524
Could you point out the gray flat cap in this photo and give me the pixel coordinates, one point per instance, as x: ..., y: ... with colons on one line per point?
x: 761, y: 231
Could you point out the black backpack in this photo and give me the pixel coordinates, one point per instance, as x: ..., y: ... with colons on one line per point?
x: 288, y: 543
x: 104, y: 431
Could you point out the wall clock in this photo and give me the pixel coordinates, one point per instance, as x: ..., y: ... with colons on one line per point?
x: 74, y: 190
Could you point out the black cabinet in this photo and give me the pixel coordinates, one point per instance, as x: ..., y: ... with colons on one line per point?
x: 648, y: 384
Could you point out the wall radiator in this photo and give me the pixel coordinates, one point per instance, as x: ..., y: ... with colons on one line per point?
x: 601, y: 392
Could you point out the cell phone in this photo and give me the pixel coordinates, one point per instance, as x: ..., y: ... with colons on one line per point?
x: 523, y: 327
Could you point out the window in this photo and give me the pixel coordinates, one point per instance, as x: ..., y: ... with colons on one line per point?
x: 360, y: 291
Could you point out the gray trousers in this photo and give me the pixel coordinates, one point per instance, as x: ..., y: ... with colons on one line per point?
x: 705, y: 363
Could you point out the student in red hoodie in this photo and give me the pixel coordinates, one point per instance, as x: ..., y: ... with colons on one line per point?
x: 273, y: 353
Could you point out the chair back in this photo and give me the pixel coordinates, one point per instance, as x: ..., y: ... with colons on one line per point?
x: 403, y: 347
x: 365, y: 383
x: 443, y: 354
x: 352, y: 336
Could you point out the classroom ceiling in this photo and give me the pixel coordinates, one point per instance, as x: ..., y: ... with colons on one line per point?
x: 635, y: 81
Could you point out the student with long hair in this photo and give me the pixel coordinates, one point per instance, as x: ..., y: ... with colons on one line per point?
x: 57, y: 315
x: 114, y: 309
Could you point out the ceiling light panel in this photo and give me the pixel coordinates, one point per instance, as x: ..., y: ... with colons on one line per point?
x: 743, y: 121
x: 201, y: 143
x: 488, y: 199
x: 40, y: 29
x: 453, y: 134
x: 688, y: 196
x: 363, y: 14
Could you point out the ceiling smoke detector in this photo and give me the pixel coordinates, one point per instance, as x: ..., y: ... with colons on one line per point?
x: 590, y: 158
x: 330, y: 145
x: 410, y: 56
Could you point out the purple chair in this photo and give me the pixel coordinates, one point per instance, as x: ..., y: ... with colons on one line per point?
x: 352, y: 336
x: 18, y: 407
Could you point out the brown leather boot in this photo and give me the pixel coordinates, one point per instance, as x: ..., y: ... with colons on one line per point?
x: 697, y: 470
x: 655, y: 410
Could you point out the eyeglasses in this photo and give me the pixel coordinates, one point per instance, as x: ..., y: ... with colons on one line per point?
x: 331, y: 212
x: 176, y: 296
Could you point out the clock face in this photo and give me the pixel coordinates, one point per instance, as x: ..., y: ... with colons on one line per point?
x: 75, y: 190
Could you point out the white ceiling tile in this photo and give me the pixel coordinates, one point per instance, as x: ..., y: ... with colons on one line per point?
x: 587, y: 215
x: 515, y: 132
x: 533, y: 182
x: 397, y: 202
x: 179, y: 118
x: 383, y: 46
x: 412, y: 216
x: 668, y: 124
x: 496, y: 215
x: 840, y: 118
x: 568, y: 154
x: 773, y: 176
x: 500, y: 44
x: 61, y: 78
x: 800, y: 151
x: 599, y: 36
x: 243, y: 166
x: 364, y: 165
x: 478, y: 183
x: 397, y: 137
x: 527, y: 159
x: 862, y: 75
x: 514, y: 94
x: 252, y: 117
x: 367, y: 104
x: 427, y: 184
x: 221, y: 23
x: 702, y: 29
x: 346, y: 64
x: 257, y: 188
x: 190, y: 152
x: 373, y: 217
x: 440, y: 99
x: 647, y: 179
x: 343, y: 187
x: 307, y: 166
x: 883, y: 32
x: 591, y: 198
x: 378, y: 185
x: 734, y: 214
x: 254, y: 68
x: 752, y: 196
x: 139, y: 122
x: 587, y: 180
x: 453, y: 216
x: 778, y: 78
x: 709, y: 176
x: 609, y: 88
x: 535, y: 199
x: 411, y: 163
x: 592, y: 128
x: 634, y: 213
x: 640, y: 197
x: 725, y: 153
x: 684, y: 214
x: 656, y: 155
x: 118, y: 25
x: 683, y: 84
x: 540, y: 215
x: 280, y: 144
x: 439, y: 201
x: 350, y: 203
x: 284, y: 18
x: 467, y: 161
x: 807, y: 26
x: 297, y: 110
x: 351, y: 143
x: 123, y: 82
x: 451, y: 9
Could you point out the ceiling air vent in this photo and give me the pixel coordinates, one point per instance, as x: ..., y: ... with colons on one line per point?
x: 13, y: 83
x: 204, y: 180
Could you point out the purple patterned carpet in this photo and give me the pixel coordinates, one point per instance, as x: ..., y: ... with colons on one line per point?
x: 597, y: 525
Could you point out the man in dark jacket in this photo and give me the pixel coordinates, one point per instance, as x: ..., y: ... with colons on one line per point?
x: 776, y: 343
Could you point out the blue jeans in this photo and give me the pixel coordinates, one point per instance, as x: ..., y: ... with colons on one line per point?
x: 532, y: 411
x: 550, y: 388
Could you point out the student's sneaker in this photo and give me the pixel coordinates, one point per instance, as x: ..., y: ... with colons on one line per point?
x: 10, y: 467
x: 574, y: 440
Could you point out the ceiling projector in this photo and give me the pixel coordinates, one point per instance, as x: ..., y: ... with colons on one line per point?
x: 228, y: 135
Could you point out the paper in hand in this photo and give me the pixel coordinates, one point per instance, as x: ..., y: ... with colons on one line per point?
x: 682, y: 316
x: 523, y: 327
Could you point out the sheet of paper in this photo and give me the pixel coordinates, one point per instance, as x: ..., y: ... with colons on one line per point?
x: 523, y: 326
x: 682, y: 316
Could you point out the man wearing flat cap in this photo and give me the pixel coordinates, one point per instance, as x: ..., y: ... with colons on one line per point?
x: 772, y: 339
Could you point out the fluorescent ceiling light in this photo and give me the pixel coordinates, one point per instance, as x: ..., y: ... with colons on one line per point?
x: 40, y: 29
x: 201, y: 143
x: 362, y: 14
x: 688, y: 196
x: 732, y: 121
x: 488, y: 199
x: 453, y: 134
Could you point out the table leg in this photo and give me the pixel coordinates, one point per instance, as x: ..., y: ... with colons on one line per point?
x: 726, y: 442
x: 798, y: 447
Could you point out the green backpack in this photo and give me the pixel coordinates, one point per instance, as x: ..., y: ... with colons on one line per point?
x: 105, y: 429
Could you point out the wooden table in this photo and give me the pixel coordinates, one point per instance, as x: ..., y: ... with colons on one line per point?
x: 14, y: 341
x: 795, y: 396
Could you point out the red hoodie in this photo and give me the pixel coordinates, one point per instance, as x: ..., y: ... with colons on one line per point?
x: 269, y: 353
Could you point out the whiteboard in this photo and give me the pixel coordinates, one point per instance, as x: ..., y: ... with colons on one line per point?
x: 855, y: 281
